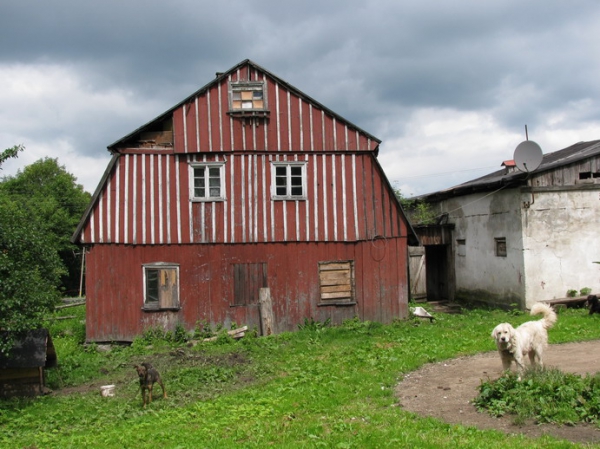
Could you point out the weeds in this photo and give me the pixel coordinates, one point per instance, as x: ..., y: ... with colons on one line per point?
x: 546, y: 395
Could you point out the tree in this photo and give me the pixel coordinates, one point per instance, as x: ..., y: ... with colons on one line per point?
x: 52, y: 197
x: 10, y: 152
x: 418, y: 212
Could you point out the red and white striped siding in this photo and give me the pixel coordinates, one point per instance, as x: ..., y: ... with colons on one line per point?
x: 295, y: 124
x: 146, y: 201
x: 146, y: 197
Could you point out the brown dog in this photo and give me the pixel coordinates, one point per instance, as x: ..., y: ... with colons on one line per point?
x: 148, y: 377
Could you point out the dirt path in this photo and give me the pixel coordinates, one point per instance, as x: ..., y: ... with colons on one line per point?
x: 445, y: 390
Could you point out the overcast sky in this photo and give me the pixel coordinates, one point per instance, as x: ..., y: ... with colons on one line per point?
x: 448, y: 86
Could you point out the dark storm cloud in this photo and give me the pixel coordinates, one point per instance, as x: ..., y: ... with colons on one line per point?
x: 387, y: 66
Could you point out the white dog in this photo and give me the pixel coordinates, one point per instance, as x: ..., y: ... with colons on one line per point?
x: 529, y: 338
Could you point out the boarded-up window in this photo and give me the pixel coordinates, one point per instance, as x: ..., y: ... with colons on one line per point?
x: 248, y: 279
x: 336, y: 281
x: 161, y: 286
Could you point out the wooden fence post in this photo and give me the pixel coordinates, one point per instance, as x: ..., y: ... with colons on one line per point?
x: 266, y: 311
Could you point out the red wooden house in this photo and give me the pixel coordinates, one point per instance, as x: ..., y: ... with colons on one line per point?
x: 246, y: 184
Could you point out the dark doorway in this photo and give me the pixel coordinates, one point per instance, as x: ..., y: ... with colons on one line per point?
x: 437, y: 257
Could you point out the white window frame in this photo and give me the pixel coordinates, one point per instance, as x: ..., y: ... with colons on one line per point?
x: 206, y: 166
x: 288, y: 166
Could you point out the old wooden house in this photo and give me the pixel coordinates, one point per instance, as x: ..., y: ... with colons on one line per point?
x: 512, y: 237
x: 22, y: 370
x: 246, y: 185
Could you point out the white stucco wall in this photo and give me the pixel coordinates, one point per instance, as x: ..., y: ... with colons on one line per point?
x: 561, y: 235
x: 480, y: 274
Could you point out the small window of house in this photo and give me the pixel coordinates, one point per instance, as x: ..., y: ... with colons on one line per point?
x: 247, y: 96
x: 161, y: 286
x: 336, y: 283
x: 500, y: 246
x: 289, y: 180
x: 461, y: 247
x: 589, y: 175
x: 248, y: 279
x: 207, y: 181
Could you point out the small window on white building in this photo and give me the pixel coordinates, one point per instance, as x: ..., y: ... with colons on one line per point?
x: 461, y: 247
x: 500, y: 246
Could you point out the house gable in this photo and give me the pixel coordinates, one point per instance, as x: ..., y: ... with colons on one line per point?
x: 288, y: 121
x: 149, y: 192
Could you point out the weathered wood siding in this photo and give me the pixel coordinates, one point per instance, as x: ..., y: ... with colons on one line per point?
x: 568, y: 175
x: 143, y: 213
x: 295, y: 123
x: 207, y: 289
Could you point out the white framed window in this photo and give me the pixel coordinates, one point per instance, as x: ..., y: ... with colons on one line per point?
x: 247, y: 96
x: 161, y: 286
x: 207, y: 181
x: 288, y: 180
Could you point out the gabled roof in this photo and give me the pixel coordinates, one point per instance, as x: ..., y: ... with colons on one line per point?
x: 220, y: 76
x: 500, y: 178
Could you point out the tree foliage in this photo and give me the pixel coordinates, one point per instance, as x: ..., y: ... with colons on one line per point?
x: 418, y: 212
x: 30, y: 271
x: 10, y: 152
x: 40, y: 208
x: 51, y: 195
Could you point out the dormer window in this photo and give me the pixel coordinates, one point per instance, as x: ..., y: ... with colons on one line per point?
x: 247, y: 96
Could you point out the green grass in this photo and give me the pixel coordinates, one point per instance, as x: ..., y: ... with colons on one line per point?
x: 330, y: 387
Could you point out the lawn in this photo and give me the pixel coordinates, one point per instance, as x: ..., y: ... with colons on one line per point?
x: 330, y: 387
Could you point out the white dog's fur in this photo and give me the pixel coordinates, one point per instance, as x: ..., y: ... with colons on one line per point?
x: 529, y: 338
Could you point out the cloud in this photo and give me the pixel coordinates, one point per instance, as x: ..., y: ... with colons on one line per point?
x: 447, y: 86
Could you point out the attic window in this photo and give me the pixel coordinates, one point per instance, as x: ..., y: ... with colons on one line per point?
x: 247, y: 96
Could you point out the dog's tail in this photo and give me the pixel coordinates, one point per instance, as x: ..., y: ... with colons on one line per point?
x: 548, y: 312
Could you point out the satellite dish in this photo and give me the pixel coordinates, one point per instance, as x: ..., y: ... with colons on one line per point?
x: 528, y: 156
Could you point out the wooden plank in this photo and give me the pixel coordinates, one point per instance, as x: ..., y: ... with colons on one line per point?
x: 335, y: 276
x: 266, y: 311
x: 574, y: 300
x: 332, y: 266
x: 334, y: 295
x: 336, y: 288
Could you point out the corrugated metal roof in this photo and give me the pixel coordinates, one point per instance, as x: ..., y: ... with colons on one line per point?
x: 501, y: 178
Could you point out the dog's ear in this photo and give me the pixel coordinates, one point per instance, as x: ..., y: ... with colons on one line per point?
x: 495, y: 331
